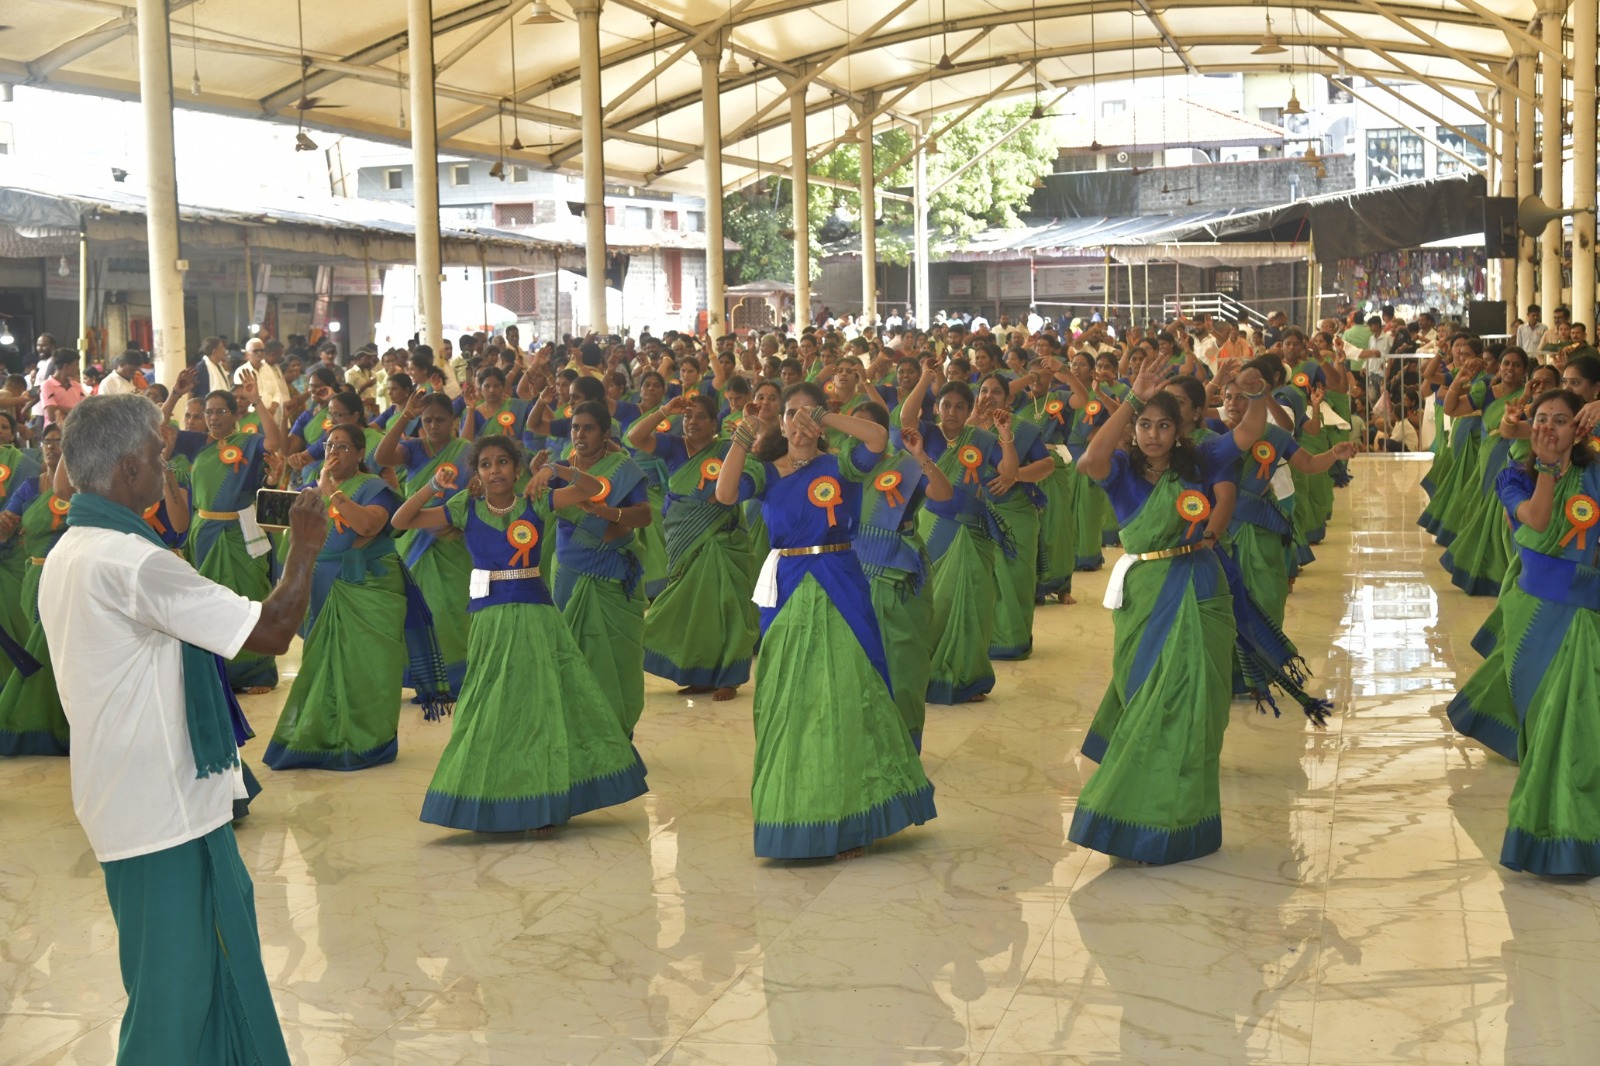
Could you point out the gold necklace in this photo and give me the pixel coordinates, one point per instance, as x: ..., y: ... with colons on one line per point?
x: 948, y: 439
x: 502, y: 512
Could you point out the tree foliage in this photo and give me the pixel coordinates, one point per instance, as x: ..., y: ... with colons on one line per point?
x: 992, y: 192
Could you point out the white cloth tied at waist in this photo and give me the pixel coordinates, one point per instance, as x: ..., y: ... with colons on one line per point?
x: 1282, y: 482
x: 255, y: 541
x: 1119, y: 576
x: 480, y: 581
x: 766, y: 593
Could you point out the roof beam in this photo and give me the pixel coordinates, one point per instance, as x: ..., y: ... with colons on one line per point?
x: 1412, y: 71
x: 996, y: 143
x: 85, y: 43
x: 1469, y: 164
x: 1160, y: 28
x: 481, y: 34
x: 1511, y: 29
x: 376, y: 53
x: 1377, y: 82
x: 1422, y: 35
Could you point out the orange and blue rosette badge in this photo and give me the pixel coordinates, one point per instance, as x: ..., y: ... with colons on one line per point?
x: 664, y: 426
x: 507, y: 420
x: 249, y: 427
x: 337, y: 519
x: 825, y: 493
x: 970, y: 457
x: 58, y: 511
x: 1265, y: 455
x: 1194, y: 508
x: 605, y: 490
x: 709, y: 470
x: 232, y: 456
x: 1582, y: 512
x: 523, y: 536
x: 1092, y: 409
x: 566, y: 412
x: 327, y: 424
x: 446, y: 474
x: 1302, y: 381
x: 888, y: 483
x: 152, y: 516
x: 5, y: 475
x: 1054, y: 409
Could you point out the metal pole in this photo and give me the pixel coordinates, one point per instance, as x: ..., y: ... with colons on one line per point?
x: 249, y: 283
x: 594, y: 163
x: 168, y: 348
x: 710, y: 55
x: 799, y: 176
x: 1147, y: 290
x: 366, y: 272
x: 919, y: 196
x: 1313, y: 283
x: 85, y: 343
x: 1105, y: 286
x: 425, y: 173
x: 1584, y: 46
x: 869, y: 218
x: 1552, y: 105
x: 1527, y: 290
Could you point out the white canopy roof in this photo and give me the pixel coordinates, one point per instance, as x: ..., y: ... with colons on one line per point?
x: 849, y: 54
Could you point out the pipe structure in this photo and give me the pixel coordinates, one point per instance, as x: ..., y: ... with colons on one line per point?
x: 1552, y: 104
x: 168, y: 347
x: 1584, y: 45
x: 594, y: 163
x: 710, y: 55
x: 425, y: 173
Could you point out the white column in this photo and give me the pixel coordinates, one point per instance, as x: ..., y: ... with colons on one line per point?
x: 919, y: 196
x: 801, y: 179
x: 1584, y: 34
x: 425, y: 173
x: 869, y: 218
x: 710, y: 54
x: 1527, y: 288
x: 1553, y: 107
x: 83, y: 297
x: 594, y: 163
x: 161, y: 191
x: 1504, y: 278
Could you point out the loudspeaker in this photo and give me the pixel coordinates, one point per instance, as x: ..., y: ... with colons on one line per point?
x: 1500, y: 227
x: 1533, y: 216
x: 1487, y: 318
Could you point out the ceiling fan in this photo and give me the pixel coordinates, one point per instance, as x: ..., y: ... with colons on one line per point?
x: 661, y: 169
x: 305, y: 103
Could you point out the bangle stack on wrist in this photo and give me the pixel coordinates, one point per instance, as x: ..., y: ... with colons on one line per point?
x: 1553, y: 469
x: 1137, y: 404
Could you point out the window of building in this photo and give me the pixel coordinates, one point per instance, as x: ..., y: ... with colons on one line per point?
x: 672, y: 267
x: 636, y: 217
x: 519, y: 173
x: 461, y: 174
x: 669, y: 220
x: 1112, y: 107
x: 1449, y: 164
x: 697, y: 221
x: 1272, y: 116
x: 611, y: 216
x: 1393, y: 155
x: 394, y: 178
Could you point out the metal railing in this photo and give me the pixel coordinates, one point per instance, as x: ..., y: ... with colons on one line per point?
x: 1216, y: 304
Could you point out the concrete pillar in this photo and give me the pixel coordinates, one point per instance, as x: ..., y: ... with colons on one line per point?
x: 919, y: 194
x: 84, y: 317
x: 425, y: 172
x: 869, y: 217
x: 801, y: 179
x: 1503, y: 278
x: 1527, y: 247
x: 594, y: 164
x: 710, y: 56
x: 1584, y: 41
x: 1552, y: 104
x: 161, y: 191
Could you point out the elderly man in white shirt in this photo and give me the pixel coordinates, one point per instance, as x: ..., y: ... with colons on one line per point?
x: 270, y: 386
x: 155, y: 758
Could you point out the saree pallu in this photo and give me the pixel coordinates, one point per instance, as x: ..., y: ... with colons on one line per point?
x: 1012, y: 634
x: 1156, y: 797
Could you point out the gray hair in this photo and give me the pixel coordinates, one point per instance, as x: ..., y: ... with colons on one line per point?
x: 101, y: 432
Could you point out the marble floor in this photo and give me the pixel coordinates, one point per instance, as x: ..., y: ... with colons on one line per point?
x: 1355, y: 915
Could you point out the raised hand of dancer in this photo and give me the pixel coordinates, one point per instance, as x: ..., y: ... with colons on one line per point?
x: 1147, y: 382
x: 912, y: 439
x: 1345, y: 449
x: 1589, y: 416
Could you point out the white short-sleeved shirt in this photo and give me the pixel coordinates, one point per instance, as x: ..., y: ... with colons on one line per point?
x: 116, y: 609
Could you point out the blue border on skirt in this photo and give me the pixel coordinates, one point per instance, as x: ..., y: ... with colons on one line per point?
x: 281, y: 758
x: 535, y: 812
x: 1144, y: 843
x: 940, y: 691
x: 1471, y: 584
x: 30, y: 742
x: 818, y: 840
x: 1492, y: 734
x: 1094, y: 746
x: 1523, y: 851
x: 729, y: 675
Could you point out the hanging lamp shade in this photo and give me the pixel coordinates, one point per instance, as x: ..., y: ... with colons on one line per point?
x: 539, y: 14
x: 1271, y: 45
x: 730, y: 67
x: 1293, y: 106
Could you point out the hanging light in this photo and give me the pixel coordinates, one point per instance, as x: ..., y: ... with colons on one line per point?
x: 933, y: 146
x: 303, y: 143
x: 62, y: 269
x: 1271, y: 43
x: 498, y: 170
x: 1311, y: 155
x: 731, y: 68
x: 194, y: 84
x: 1293, y: 106
x: 946, y: 63
x: 539, y: 14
